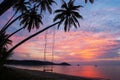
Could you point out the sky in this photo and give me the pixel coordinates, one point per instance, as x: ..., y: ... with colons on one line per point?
x: 98, y: 38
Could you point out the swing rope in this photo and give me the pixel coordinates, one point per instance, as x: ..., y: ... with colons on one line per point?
x: 53, y: 47
x: 45, y: 50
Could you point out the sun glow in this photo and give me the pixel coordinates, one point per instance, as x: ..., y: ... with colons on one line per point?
x: 73, y: 46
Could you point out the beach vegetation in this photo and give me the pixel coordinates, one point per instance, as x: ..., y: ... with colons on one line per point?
x: 30, y: 14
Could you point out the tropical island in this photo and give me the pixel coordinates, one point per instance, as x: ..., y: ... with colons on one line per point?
x: 34, y: 63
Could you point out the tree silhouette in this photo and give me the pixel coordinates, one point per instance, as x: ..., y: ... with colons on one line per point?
x: 30, y: 17
x: 68, y: 15
x: 3, y: 36
x: 4, y: 46
x: 20, y: 6
x: 6, y: 4
x: 44, y: 5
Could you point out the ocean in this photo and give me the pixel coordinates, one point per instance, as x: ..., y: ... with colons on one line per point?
x: 111, y: 72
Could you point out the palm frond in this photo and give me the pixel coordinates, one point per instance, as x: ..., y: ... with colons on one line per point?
x: 68, y: 15
x: 4, y: 41
x: 31, y: 19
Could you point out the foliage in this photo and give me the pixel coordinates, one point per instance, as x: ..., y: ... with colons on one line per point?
x: 4, y: 42
x: 68, y: 14
x: 30, y: 16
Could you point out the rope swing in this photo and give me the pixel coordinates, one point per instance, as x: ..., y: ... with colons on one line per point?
x: 45, y: 68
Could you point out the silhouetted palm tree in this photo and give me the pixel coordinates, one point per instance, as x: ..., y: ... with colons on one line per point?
x: 69, y: 7
x: 45, y: 5
x: 68, y: 15
x: 31, y: 19
x: 6, y: 4
x: 21, y: 6
x: 4, y: 40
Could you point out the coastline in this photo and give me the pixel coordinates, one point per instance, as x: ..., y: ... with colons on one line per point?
x: 10, y: 73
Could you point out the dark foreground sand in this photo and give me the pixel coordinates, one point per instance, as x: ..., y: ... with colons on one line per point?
x: 23, y: 74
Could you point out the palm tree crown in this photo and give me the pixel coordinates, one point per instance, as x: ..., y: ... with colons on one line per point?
x: 4, y: 41
x: 31, y: 19
x: 21, y: 6
x: 45, y: 5
x: 68, y: 15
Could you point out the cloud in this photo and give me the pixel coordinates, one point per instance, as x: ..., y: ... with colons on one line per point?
x: 96, y: 39
x: 71, y: 46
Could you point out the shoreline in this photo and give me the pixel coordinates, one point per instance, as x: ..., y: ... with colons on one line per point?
x: 11, y: 73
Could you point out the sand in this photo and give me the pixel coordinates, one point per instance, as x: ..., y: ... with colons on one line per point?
x: 24, y: 74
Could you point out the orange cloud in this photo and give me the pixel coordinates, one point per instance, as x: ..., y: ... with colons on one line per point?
x: 69, y: 46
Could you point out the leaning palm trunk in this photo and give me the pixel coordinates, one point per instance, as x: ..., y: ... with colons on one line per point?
x: 15, y: 32
x: 1, y: 43
x: 10, y: 19
x: 31, y: 37
x: 6, y: 26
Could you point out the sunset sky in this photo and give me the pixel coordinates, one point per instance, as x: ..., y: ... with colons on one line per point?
x: 98, y: 38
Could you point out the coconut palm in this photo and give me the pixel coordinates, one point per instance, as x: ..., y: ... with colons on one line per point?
x: 44, y: 5
x: 21, y: 6
x: 4, y: 41
x: 68, y: 15
x: 66, y: 7
x: 31, y: 19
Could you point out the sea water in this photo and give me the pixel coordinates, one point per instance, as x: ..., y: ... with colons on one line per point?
x: 111, y: 72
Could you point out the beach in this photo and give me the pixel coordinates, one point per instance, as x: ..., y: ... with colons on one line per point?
x: 10, y: 73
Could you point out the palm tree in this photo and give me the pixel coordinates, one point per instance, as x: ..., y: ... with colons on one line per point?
x: 31, y: 19
x: 21, y: 6
x: 6, y: 4
x: 72, y: 12
x: 4, y: 40
x: 45, y: 5
x: 68, y: 15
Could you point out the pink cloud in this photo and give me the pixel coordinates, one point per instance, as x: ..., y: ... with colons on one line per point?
x: 69, y: 46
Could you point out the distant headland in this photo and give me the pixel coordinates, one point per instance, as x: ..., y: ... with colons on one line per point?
x: 34, y: 62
